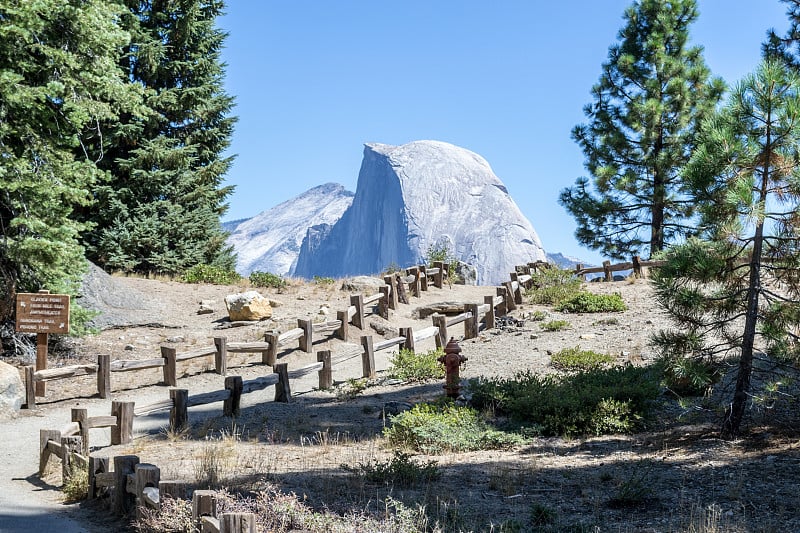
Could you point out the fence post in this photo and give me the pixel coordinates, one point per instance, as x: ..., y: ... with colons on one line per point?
x: 471, y: 323
x: 30, y: 388
x: 97, y: 465
x: 509, y: 297
x: 271, y: 355
x: 392, y: 301
x: 146, y: 475
x: 408, y: 344
x: 488, y: 318
x: 439, y: 276
x: 81, y: 416
x: 423, y: 277
x: 179, y: 413
x: 637, y: 267
x: 170, y: 366
x: 402, y: 297
x: 440, y: 321
x: 122, y: 433
x: 283, y: 393
x: 341, y: 333
x: 607, y: 270
x: 123, y: 500
x: 104, y: 375
x: 578, y: 269
x: 221, y: 355
x: 171, y: 489
x: 230, y: 407
x: 307, y: 340
x: 326, y: 374
x: 367, y: 357
x: 204, y: 503
x: 357, y: 300
x: 69, y: 445
x: 383, y: 303
x: 500, y: 310
x: 415, y: 287
x: 44, y: 454
x: 237, y: 523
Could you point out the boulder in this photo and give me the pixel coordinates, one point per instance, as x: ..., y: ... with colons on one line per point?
x: 248, y: 305
x: 366, y: 285
x: 12, y: 391
x: 465, y: 274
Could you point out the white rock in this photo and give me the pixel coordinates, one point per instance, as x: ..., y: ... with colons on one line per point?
x: 248, y: 305
x: 415, y: 196
x: 12, y: 391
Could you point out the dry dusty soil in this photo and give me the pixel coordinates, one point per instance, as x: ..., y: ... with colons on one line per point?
x: 679, y: 474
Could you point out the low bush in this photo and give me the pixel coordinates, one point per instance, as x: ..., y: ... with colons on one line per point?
x: 537, y: 316
x: 400, y: 470
x: 446, y: 428
x: 688, y: 376
x: 596, y: 402
x: 267, y: 279
x: 587, y: 302
x: 555, y: 325
x: 577, y: 359
x: 552, y: 285
x: 323, y: 281
x: 211, y: 274
x: 411, y: 366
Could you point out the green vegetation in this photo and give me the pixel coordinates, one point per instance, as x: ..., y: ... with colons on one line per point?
x: 587, y: 302
x: 411, y: 366
x: 640, y: 132
x: 577, y: 359
x: 537, y: 316
x: 555, y: 325
x: 552, y: 285
x: 612, y: 400
x: 720, y: 288
x: 445, y: 428
x: 401, y: 470
x: 214, y: 275
x: 267, y: 279
x: 324, y: 281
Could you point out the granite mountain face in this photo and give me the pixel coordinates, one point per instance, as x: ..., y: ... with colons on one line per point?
x: 270, y: 241
x: 408, y: 198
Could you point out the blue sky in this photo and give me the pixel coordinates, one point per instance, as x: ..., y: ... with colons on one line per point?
x: 315, y: 80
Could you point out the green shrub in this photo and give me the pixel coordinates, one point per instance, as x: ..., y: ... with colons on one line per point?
x: 577, y: 359
x: 555, y: 325
x: 587, y: 302
x: 448, y: 428
x: 267, y: 279
x: 323, y: 281
x: 552, y: 285
x: 612, y: 400
x: 400, y: 470
x: 687, y: 376
x: 411, y: 366
x: 538, y: 315
x: 211, y: 274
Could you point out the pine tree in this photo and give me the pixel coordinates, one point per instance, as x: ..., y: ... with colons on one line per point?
x: 786, y: 48
x: 58, y: 79
x: 160, y: 210
x: 652, y: 95
x: 745, y: 175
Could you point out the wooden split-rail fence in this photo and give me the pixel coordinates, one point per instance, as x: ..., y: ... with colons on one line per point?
x: 476, y: 317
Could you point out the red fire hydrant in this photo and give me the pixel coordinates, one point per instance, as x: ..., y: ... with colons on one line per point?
x: 452, y: 360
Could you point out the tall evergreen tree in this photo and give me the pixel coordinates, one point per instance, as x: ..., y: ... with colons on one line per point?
x: 651, y: 97
x: 786, y: 48
x: 59, y: 79
x: 739, y: 291
x: 160, y: 210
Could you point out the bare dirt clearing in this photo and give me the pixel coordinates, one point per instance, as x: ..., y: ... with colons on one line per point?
x: 678, y: 475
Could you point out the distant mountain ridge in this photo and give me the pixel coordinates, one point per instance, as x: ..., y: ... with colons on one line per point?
x: 409, y: 198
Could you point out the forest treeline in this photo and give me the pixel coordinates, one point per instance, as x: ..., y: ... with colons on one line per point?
x: 113, y: 129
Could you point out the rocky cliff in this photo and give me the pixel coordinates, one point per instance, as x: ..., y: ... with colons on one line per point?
x: 418, y: 195
x: 270, y: 241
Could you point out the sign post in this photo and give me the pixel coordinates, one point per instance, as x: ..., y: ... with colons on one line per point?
x: 42, y: 313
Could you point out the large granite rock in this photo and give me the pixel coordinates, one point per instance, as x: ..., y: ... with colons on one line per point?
x: 118, y: 304
x: 12, y: 391
x: 270, y: 241
x: 248, y: 305
x: 418, y: 195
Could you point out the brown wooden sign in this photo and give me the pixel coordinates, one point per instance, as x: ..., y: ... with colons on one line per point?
x: 42, y: 313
